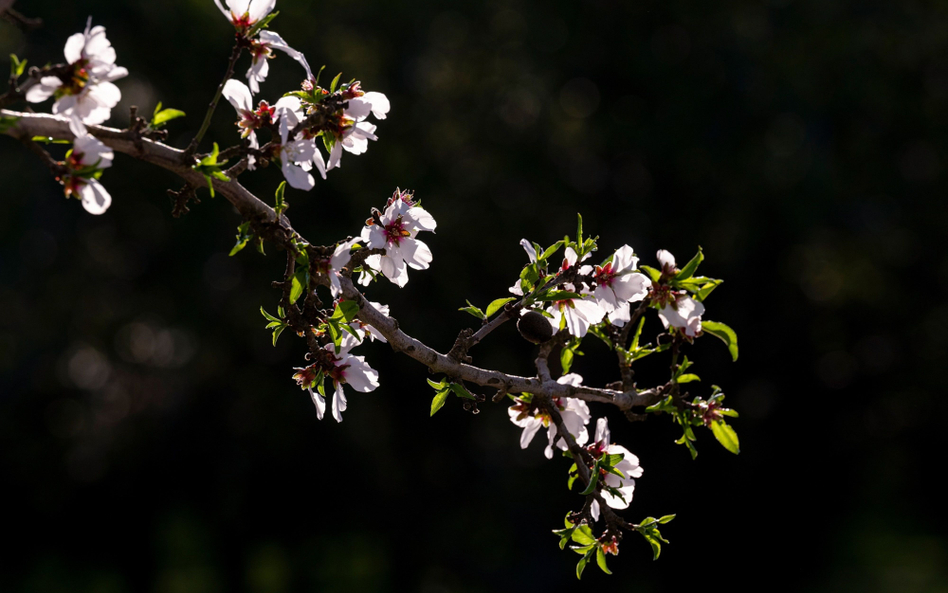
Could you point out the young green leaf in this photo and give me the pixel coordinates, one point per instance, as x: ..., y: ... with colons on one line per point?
x: 496, y: 305
x: 601, y: 560
x: 726, y: 436
x: 689, y: 270
x: 438, y: 401
x: 164, y: 116
x: 724, y: 333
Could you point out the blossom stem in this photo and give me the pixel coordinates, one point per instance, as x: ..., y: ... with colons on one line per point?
x: 234, y: 56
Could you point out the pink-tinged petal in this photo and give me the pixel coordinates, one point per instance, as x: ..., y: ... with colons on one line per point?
x: 423, y: 220
x: 105, y: 94
x: 602, y: 431
x: 73, y: 49
x: 335, y: 155
x: 621, y: 315
x: 358, y: 109
x: 395, y: 270
x: 225, y: 11
x: 95, y: 199
x: 44, y: 90
x: 531, y: 251
x: 360, y: 376
x: 238, y: 7
x: 624, y: 259
x: 320, y: 163
x: 374, y: 236
x: 238, y: 95
x: 338, y: 403
x: 260, y: 8
x: 93, y: 150
x: 631, y: 287
x: 571, y: 379
x: 297, y: 177
x: 419, y: 256
x: 379, y: 102
x: 320, y: 403
x: 77, y: 127
x: 113, y: 74
x: 257, y: 73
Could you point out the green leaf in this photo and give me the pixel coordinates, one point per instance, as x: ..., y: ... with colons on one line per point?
x: 335, y: 81
x: 7, y: 122
x: 724, y: 333
x: 583, y: 535
x: 270, y: 317
x: 612, y: 459
x: 261, y: 24
x: 439, y: 386
x: 656, y: 546
x: 41, y: 139
x: 277, y: 332
x: 551, y: 250
x: 16, y: 67
x: 705, y: 290
x: 726, y: 436
x: 496, y: 305
x: 279, y: 204
x: 666, y: 519
x: 651, y: 272
x: 689, y: 270
x: 438, y: 401
x: 347, y: 310
x: 688, y: 378
x: 164, y: 116
x: 473, y: 311
x: 461, y: 391
x: 593, y: 480
x: 579, y: 229
x: 566, y: 359
x: 296, y: 291
x: 601, y: 560
x: 580, y: 567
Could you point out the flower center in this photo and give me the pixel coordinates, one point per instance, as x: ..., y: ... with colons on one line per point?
x: 395, y: 231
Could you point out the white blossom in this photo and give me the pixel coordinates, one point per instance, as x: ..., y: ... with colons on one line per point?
x: 244, y: 14
x: 87, y: 95
x: 617, y: 282
x: 629, y: 467
x: 297, y: 156
x: 684, y: 313
x: 574, y: 412
x: 261, y: 52
x: 88, y: 156
x: 353, y: 133
x: 395, y: 231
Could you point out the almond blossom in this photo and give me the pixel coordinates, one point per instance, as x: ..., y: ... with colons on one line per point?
x: 351, y: 133
x: 297, y: 156
x: 261, y: 52
x: 344, y: 369
x: 574, y: 412
x: 395, y: 231
x: 617, y: 282
x: 84, y: 162
x: 684, y: 313
x: 86, y: 92
x: 617, y: 490
x: 576, y: 314
x: 244, y: 14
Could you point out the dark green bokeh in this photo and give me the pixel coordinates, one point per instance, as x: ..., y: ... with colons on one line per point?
x: 152, y: 439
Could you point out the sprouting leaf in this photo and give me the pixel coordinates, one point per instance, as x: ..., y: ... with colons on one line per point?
x: 688, y: 378
x: 461, y: 391
x: 473, y: 311
x: 583, y: 535
x: 593, y: 480
x: 705, y: 290
x: 346, y: 310
x: 439, y: 400
x: 724, y: 333
x: 162, y: 117
x: 726, y: 436
x: 16, y: 67
x: 280, y: 204
x: 496, y: 305
x: 652, y: 273
x: 335, y: 82
x: 601, y: 560
x: 689, y: 270
x: 41, y: 139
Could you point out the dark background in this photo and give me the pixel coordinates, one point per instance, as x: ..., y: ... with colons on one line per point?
x: 153, y: 440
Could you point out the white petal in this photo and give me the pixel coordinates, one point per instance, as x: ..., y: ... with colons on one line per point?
x: 594, y: 510
x: 379, y: 102
x: 238, y: 95
x: 73, y: 49
x: 338, y: 403
x: 260, y: 8
x: 665, y: 258
x: 94, y: 197
x: 319, y: 402
x: 360, y: 376
x: 93, y: 150
x: 44, y: 90
x: 334, y: 157
x: 297, y: 177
